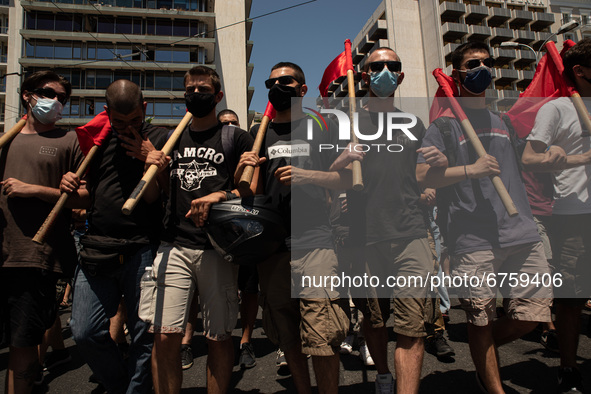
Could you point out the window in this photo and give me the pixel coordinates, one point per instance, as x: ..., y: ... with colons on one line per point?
x: 64, y: 22
x: 180, y: 28
x: 63, y: 51
x: 164, y: 27
x: 43, y: 50
x: 103, y: 78
x: 124, y: 26
x: 163, y: 108
x: 45, y: 21
x: 74, y: 106
x: 106, y: 25
x: 180, y: 56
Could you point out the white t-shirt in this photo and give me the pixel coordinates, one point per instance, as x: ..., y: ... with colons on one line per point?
x: 557, y: 123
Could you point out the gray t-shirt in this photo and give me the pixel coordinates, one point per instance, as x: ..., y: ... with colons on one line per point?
x: 557, y: 123
x: 473, y: 216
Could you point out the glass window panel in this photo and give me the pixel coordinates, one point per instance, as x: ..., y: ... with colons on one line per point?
x: 150, y: 80
x: 63, y: 22
x: 104, y: 52
x: 91, y: 51
x: 137, y: 26
x: 63, y: 51
x: 180, y: 28
x: 90, y: 23
x: 194, y: 28
x: 124, y: 25
x: 178, y: 81
x: 137, y: 3
x: 90, y: 79
x: 103, y: 78
x: 75, y: 107
x: 99, y: 106
x: 44, y: 51
x: 121, y: 75
x: 164, y: 4
x: 180, y: 4
x: 66, y: 110
x: 180, y: 56
x: 105, y: 25
x: 163, y: 108
x: 150, y: 108
x: 75, y: 79
x: 164, y: 27
x: 125, y: 51
x: 77, y: 23
x: 151, y: 27
x: 136, y: 78
x: 162, y: 80
x: 45, y: 21
x: 77, y: 50
x: 29, y: 49
x: 151, y: 4
x: 89, y: 107
x: 178, y: 110
x: 30, y: 20
x: 163, y: 55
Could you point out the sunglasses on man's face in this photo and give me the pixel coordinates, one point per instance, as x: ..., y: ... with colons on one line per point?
x: 393, y: 66
x: 283, y: 80
x: 488, y: 62
x: 230, y: 122
x: 51, y: 94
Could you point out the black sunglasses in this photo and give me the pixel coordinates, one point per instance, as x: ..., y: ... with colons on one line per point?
x: 230, y: 122
x: 488, y: 62
x: 283, y: 80
x: 393, y: 66
x: 51, y: 94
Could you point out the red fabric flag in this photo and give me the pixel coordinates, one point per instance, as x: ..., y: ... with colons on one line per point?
x: 337, y: 68
x: 94, y: 132
x: 548, y: 83
x: 447, y: 88
x: 270, y: 111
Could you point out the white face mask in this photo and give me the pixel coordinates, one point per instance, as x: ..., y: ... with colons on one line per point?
x: 47, y: 111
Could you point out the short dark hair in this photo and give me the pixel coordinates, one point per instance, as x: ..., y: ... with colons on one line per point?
x: 458, y: 55
x: 579, y: 54
x: 39, y: 78
x: 227, y: 112
x: 366, y: 64
x: 298, y: 72
x: 124, y: 96
x: 203, y: 70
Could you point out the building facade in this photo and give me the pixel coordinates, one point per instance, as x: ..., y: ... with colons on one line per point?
x: 150, y: 42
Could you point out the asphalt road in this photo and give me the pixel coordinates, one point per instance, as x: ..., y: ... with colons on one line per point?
x: 526, y: 367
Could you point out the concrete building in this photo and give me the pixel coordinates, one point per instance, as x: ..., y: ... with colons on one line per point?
x: 424, y: 33
x: 566, y: 11
x: 151, y: 42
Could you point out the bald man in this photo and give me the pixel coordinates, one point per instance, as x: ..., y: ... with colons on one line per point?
x: 123, y: 246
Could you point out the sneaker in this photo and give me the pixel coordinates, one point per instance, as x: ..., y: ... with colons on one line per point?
x: 569, y: 381
x: 347, y: 345
x: 384, y: 383
x: 38, y: 381
x: 549, y: 339
x: 247, y: 359
x: 365, y: 356
x: 186, y: 356
x: 55, y: 358
x: 281, y: 362
x: 437, y: 345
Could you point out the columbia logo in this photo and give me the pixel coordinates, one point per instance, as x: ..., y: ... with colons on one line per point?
x: 273, y: 151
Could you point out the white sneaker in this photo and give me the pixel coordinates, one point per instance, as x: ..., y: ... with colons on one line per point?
x: 365, y: 356
x: 384, y: 383
x: 347, y: 345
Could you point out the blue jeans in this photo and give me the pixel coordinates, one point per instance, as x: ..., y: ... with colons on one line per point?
x: 96, y: 299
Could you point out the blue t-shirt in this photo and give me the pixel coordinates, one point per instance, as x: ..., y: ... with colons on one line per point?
x: 473, y: 215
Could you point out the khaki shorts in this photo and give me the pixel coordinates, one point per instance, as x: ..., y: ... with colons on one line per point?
x: 319, y: 324
x: 411, y: 258
x: 178, y: 272
x: 523, y: 300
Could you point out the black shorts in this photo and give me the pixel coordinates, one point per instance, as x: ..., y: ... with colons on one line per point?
x: 27, y: 305
x: 248, y: 279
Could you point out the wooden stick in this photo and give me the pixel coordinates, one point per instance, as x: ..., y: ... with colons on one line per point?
x: 581, y: 110
x: 10, y: 134
x: 357, y: 175
x: 59, y: 205
x: 150, y: 174
x: 246, y: 178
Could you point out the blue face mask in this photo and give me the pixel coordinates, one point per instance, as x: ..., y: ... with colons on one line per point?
x: 384, y: 83
x: 47, y: 111
x: 477, y: 79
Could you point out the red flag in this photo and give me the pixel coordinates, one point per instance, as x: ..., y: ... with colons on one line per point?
x: 94, y: 132
x: 337, y: 68
x: 548, y: 82
x: 270, y: 111
x: 447, y: 88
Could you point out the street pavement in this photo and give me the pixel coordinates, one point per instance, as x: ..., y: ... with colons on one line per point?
x: 526, y: 366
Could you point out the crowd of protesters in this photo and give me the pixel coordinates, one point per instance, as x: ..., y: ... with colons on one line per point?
x: 433, y: 204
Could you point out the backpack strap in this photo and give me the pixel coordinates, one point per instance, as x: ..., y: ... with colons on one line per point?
x: 443, y: 124
x: 229, y: 151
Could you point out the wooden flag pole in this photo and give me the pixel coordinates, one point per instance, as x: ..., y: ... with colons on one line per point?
x: 246, y: 178
x: 357, y: 174
x: 10, y: 134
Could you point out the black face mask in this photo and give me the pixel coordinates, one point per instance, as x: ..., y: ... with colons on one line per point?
x: 200, y: 104
x: 280, y: 96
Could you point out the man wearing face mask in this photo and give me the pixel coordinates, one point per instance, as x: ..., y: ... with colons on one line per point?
x: 388, y: 228
x: 301, y: 321
x: 32, y: 165
x: 126, y: 243
x: 200, y: 174
x: 481, y: 237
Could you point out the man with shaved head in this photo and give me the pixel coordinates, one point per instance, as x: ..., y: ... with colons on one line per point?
x: 117, y: 248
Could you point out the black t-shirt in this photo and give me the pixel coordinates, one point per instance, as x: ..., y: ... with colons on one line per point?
x: 198, y: 168
x: 113, y: 176
x: 303, y: 207
x: 388, y: 206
